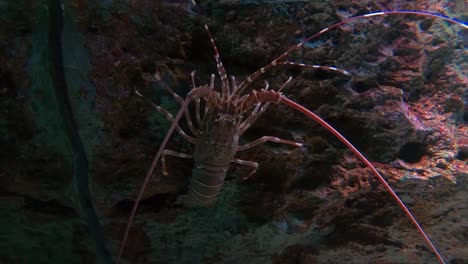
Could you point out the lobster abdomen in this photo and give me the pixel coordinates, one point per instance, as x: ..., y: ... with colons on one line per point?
x: 215, y: 147
x: 206, y: 183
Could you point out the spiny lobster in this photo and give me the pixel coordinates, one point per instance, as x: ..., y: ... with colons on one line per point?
x: 231, y: 109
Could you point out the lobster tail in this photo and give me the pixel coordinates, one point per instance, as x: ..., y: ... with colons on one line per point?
x: 205, y: 185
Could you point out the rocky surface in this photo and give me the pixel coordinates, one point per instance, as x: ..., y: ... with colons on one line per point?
x: 404, y: 106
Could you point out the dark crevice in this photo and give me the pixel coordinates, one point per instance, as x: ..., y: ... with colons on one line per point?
x: 154, y: 204
x: 462, y: 153
x: 412, y: 152
x: 81, y: 169
x: 51, y: 207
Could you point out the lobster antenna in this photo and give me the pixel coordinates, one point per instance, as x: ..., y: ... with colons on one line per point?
x: 219, y: 64
x: 150, y: 172
x: 381, y: 179
x: 281, y: 57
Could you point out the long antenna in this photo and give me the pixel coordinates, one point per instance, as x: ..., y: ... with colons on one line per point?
x: 381, y: 179
x: 226, y: 92
x: 281, y: 57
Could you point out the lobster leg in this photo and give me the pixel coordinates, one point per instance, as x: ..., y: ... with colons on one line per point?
x: 258, y: 111
x: 280, y: 58
x: 266, y: 139
x: 249, y: 120
x: 197, y: 102
x: 197, y: 112
x: 167, y: 152
x: 168, y: 116
x: 181, y: 101
x: 182, y: 109
x: 192, y: 75
x: 247, y: 163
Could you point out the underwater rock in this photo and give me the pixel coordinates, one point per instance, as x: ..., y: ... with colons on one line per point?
x: 402, y: 105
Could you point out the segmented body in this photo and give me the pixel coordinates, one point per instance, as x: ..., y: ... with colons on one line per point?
x: 231, y: 109
x: 214, y: 149
x: 226, y: 117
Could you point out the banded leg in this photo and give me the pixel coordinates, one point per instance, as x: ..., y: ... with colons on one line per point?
x: 168, y: 116
x: 258, y: 110
x: 247, y: 163
x: 174, y: 154
x: 266, y: 139
x: 226, y: 91
x: 180, y: 101
x: 191, y: 96
x: 197, y: 102
x: 278, y: 60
